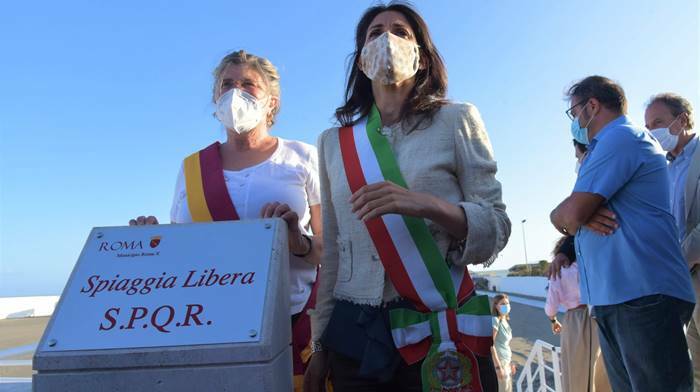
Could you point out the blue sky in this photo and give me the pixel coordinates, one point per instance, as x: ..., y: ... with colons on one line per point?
x: 101, y: 101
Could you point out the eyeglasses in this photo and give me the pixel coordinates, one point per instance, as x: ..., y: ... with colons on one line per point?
x: 570, y: 111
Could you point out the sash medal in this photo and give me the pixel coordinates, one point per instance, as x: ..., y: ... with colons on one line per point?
x: 445, y: 334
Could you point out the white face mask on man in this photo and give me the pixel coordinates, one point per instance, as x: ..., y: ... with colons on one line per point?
x: 390, y: 59
x: 240, y: 111
x: 667, y: 140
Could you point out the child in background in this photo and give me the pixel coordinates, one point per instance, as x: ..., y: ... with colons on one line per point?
x: 502, y: 336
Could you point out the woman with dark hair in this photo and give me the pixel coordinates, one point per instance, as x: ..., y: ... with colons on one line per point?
x: 582, y: 367
x: 409, y: 199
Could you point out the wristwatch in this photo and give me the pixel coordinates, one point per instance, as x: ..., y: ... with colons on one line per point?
x: 316, y: 347
x: 310, y: 246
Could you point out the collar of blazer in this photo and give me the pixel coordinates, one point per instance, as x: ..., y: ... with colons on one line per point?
x: 691, y: 185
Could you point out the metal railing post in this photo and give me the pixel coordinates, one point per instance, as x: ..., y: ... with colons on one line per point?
x: 528, y: 375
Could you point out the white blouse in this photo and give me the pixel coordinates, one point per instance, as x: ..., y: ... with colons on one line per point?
x: 290, y: 176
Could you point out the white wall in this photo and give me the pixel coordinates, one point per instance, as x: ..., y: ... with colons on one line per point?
x: 17, y: 307
x: 527, y: 285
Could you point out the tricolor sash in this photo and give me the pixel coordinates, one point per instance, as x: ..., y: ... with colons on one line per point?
x: 448, y: 334
x: 207, y: 197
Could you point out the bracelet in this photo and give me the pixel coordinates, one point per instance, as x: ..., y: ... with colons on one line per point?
x: 315, y: 347
x: 310, y: 244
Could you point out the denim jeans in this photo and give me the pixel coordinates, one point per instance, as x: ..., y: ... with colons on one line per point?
x: 644, y: 345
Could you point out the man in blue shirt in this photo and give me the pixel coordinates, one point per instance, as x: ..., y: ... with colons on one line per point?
x: 669, y: 117
x: 631, y: 267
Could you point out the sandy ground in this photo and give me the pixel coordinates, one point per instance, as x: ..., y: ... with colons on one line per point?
x: 529, y: 323
x: 16, y: 333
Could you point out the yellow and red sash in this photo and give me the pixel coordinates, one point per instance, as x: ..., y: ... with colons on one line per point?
x: 208, y: 200
x: 207, y: 196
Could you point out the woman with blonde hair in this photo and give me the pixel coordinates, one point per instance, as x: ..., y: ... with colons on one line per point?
x: 256, y: 175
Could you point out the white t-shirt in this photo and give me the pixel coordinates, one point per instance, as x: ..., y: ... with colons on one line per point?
x: 289, y: 176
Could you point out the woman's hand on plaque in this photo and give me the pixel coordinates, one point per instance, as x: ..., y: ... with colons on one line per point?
x: 297, y: 243
x: 143, y: 220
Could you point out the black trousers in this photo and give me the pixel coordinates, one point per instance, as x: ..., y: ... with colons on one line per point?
x: 344, y: 376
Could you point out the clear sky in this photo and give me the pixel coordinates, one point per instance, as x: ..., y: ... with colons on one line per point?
x: 100, y: 101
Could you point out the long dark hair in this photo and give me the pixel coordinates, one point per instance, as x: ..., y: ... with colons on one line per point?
x: 428, y: 93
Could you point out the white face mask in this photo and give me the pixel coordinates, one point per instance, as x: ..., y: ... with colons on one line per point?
x: 389, y: 59
x: 667, y: 140
x: 240, y: 111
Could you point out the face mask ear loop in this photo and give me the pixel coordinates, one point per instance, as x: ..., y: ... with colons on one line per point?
x: 418, y: 57
x: 589, y: 120
x: 673, y: 122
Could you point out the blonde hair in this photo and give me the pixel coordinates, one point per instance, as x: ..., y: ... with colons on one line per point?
x: 261, y: 65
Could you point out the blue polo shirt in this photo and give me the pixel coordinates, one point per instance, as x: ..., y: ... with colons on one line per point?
x: 643, y: 257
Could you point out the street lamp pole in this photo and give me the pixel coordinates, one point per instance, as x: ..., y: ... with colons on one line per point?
x: 527, y: 266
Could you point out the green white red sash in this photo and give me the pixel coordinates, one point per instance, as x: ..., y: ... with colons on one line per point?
x: 207, y: 196
x: 415, y: 265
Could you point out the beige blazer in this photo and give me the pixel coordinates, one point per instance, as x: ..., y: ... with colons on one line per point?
x: 691, y: 242
x: 452, y: 159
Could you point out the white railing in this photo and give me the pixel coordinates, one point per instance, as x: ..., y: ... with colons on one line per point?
x: 542, y: 362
